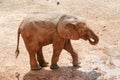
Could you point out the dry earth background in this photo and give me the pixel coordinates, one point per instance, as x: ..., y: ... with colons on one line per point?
x: 100, y: 62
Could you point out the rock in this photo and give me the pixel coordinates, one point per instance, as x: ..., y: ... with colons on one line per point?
x: 61, y: 78
x: 92, y: 75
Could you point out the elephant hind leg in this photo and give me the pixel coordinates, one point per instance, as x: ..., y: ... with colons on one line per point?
x: 33, y: 61
x: 32, y: 48
x: 41, y: 59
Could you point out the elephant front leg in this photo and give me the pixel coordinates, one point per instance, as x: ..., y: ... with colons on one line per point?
x: 57, y: 48
x: 68, y: 47
x: 55, y: 58
x: 41, y: 59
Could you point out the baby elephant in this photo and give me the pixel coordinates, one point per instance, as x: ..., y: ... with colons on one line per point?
x: 41, y: 29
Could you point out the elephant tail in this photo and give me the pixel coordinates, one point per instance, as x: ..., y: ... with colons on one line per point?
x: 17, y: 49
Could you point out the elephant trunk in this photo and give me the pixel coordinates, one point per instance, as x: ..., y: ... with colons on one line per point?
x: 93, y: 38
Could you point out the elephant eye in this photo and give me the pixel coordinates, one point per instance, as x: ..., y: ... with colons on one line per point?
x: 86, y: 36
x: 86, y: 31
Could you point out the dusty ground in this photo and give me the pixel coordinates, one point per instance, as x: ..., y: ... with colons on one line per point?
x: 100, y: 62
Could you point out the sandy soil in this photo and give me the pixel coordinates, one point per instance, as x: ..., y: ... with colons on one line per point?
x: 100, y: 62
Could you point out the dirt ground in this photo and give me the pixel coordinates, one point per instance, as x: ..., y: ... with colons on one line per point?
x: 100, y: 62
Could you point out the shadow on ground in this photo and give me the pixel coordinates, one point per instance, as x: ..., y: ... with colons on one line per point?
x: 63, y: 73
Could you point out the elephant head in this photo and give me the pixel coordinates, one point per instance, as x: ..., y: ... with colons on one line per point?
x: 74, y: 28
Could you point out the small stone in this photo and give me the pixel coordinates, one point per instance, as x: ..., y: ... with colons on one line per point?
x: 17, y: 75
x: 95, y: 68
x: 104, y: 26
x: 58, y: 3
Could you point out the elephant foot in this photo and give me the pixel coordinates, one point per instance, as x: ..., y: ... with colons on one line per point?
x: 76, y: 64
x: 45, y: 64
x: 35, y: 68
x: 54, y: 66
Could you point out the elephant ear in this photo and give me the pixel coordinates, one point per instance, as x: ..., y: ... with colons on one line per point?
x: 67, y: 28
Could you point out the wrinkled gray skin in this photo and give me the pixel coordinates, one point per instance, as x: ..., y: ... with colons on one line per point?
x: 41, y: 29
